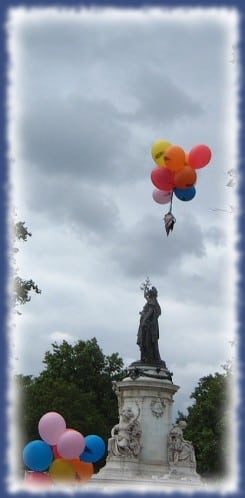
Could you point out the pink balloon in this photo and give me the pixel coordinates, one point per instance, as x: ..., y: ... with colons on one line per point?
x: 51, y: 426
x: 162, y: 196
x: 199, y: 156
x: 38, y: 479
x: 162, y: 178
x: 71, y: 444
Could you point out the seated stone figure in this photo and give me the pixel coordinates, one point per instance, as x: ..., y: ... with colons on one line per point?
x: 180, y: 450
x: 125, y: 436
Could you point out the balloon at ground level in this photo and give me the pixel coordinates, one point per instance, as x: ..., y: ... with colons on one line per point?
x: 51, y: 426
x: 55, y: 452
x: 37, y: 455
x: 186, y: 194
x: 62, y: 470
x: 70, y: 444
x: 162, y: 196
x: 174, y: 158
x: 84, y: 470
x: 199, y: 156
x: 185, y: 178
x: 94, y: 449
x: 157, y: 151
x: 37, y: 479
x: 162, y: 178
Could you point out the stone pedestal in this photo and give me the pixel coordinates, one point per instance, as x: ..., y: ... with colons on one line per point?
x: 148, y: 391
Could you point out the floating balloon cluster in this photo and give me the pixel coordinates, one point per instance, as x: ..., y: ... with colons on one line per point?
x: 62, y: 455
x: 175, y: 173
x: 176, y: 170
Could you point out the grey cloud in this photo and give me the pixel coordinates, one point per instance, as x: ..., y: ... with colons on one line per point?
x: 145, y: 247
x: 216, y: 235
x: 76, y: 136
x: 162, y: 99
x: 206, y: 287
x: 82, y: 206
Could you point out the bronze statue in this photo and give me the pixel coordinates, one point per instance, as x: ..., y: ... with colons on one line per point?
x: 148, y: 333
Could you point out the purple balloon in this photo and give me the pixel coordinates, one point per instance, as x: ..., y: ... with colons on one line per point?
x: 162, y: 196
x: 71, y: 444
x: 51, y: 426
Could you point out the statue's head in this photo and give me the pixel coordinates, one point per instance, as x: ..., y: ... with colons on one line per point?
x: 182, y: 424
x: 153, y: 292
x: 127, y: 413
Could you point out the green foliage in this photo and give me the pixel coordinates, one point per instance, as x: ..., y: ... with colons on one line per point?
x: 208, y: 424
x: 22, y: 288
x: 21, y: 231
x: 77, y: 383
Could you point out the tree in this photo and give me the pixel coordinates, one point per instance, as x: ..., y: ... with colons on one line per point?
x: 22, y: 288
x: 77, y: 383
x: 208, y: 424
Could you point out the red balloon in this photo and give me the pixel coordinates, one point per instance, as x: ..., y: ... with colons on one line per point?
x: 55, y: 452
x: 162, y: 178
x: 199, y: 156
x: 185, y: 178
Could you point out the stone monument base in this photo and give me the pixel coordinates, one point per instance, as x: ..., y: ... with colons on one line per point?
x: 165, y: 482
x: 125, y: 468
x: 148, y: 391
x: 157, y: 370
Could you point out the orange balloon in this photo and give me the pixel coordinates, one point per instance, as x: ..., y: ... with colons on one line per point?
x: 185, y: 178
x: 186, y: 159
x: 174, y: 158
x: 84, y: 470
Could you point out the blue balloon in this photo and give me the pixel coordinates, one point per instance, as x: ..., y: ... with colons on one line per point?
x: 185, y: 194
x: 94, y: 449
x: 37, y: 455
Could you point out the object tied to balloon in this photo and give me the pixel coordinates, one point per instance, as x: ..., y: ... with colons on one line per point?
x: 175, y: 174
x: 169, y: 221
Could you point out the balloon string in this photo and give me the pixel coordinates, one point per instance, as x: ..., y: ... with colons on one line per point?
x: 171, y: 203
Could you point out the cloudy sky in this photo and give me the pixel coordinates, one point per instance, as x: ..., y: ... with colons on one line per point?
x: 90, y: 92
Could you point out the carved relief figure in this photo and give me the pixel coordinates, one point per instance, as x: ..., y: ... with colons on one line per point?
x: 148, y: 332
x: 179, y: 449
x: 126, y: 435
x: 157, y: 407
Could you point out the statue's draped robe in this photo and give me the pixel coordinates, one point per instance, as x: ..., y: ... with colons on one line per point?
x: 179, y: 449
x: 148, y: 333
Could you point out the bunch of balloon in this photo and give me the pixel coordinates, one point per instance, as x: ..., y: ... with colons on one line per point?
x: 175, y: 172
x: 62, y: 455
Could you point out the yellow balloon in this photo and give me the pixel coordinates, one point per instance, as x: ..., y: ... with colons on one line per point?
x: 62, y: 470
x: 158, y: 150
